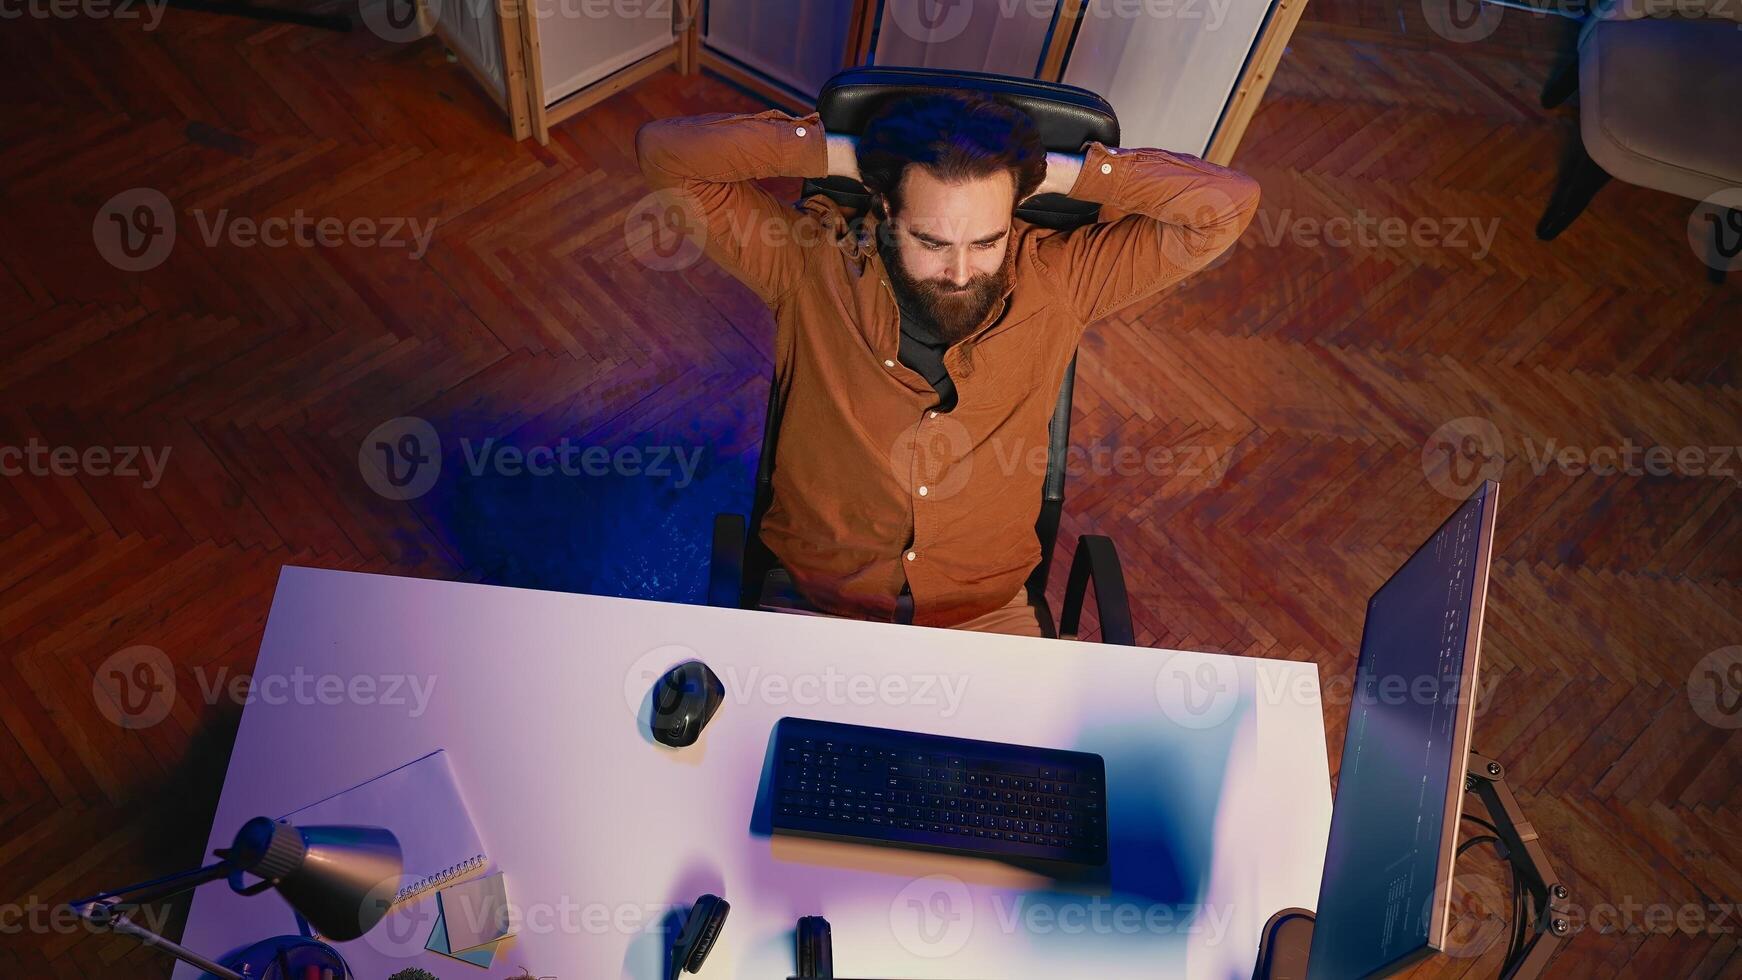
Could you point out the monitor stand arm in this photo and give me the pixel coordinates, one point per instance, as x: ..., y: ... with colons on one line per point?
x: 1282, y: 949
x: 1547, y: 896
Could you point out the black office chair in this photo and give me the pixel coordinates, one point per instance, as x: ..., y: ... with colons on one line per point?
x: 743, y: 572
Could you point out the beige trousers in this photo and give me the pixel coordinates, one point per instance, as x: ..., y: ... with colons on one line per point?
x: 1017, y: 618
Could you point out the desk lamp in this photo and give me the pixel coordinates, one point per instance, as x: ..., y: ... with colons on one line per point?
x: 338, y: 880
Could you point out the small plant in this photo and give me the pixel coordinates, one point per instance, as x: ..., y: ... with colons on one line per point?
x: 413, y: 973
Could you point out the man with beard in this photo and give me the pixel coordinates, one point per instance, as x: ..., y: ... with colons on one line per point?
x: 919, y: 348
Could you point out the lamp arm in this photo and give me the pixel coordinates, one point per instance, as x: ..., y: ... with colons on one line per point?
x: 110, y: 910
x: 112, y: 903
x: 121, y: 923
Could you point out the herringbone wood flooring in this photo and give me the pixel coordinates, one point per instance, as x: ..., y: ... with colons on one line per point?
x: 1317, y: 373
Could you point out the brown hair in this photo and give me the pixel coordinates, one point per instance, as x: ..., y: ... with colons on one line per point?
x: 956, y: 136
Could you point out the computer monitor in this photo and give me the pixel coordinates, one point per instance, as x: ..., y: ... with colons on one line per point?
x: 1384, y: 900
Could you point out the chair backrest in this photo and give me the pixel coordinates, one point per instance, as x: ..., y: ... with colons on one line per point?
x: 1067, y: 117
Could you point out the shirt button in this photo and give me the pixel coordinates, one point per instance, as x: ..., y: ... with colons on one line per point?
x: 888, y: 363
x: 1106, y: 168
x: 923, y: 491
x: 912, y: 555
x: 799, y: 131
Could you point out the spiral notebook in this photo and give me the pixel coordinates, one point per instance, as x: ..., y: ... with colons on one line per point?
x: 421, y: 803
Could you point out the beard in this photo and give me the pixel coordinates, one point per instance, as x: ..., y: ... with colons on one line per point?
x: 952, y: 313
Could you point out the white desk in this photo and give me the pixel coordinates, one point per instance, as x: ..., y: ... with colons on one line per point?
x: 1216, y: 818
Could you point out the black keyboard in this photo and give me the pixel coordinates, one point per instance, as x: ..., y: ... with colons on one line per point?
x: 988, y: 799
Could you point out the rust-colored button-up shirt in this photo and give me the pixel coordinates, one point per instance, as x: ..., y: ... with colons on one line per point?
x: 873, y: 489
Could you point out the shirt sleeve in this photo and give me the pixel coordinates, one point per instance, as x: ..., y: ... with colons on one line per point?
x: 709, y: 163
x: 1182, y: 214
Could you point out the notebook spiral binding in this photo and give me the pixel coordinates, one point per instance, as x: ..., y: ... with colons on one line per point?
x: 446, y: 876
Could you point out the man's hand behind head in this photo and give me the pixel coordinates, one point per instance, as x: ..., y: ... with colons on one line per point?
x: 843, y: 155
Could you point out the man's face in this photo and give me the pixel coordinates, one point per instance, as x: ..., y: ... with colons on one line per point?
x: 949, y: 244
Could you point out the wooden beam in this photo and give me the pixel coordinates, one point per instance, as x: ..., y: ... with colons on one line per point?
x: 1052, y: 64
x: 527, y: 19
x: 687, y: 22
x: 514, y: 68
x: 1267, y: 52
x: 861, y: 24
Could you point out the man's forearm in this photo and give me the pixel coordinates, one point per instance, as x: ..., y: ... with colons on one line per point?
x: 1173, y: 188
x: 1179, y: 213
x: 724, y: 148
x: 707, y: 167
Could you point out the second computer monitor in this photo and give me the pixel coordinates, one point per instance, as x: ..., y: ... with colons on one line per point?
x: 1384, y: 899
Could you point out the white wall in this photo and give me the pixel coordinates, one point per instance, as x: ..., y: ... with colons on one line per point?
x: 796, y: 42
x: 1167, y: 66
x: 1168, y: 70
x: 582, y: 41
x: 1002, y: 36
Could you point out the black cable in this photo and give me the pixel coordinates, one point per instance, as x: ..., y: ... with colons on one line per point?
x: 1514, y: 941
x: 1472, y: 842
x: 1520, y: 902
x: 1526, y: 915
x: 1475, y: 819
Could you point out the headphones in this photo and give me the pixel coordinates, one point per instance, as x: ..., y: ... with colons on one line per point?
x: 814, y: 947
x: 816, y: 955
x: 707, y: 917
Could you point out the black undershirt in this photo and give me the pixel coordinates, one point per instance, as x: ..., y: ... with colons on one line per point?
x: 922, y: 350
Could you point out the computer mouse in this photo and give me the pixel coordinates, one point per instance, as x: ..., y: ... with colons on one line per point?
x: 683, y: 702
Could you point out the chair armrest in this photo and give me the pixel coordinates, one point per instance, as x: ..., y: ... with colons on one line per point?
x: 726, y: 562
x: 1097, y: 561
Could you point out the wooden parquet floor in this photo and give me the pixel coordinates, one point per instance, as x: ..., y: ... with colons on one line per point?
x: 1311, y: 375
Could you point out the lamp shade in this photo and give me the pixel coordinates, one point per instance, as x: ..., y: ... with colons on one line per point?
x: 340, y: 879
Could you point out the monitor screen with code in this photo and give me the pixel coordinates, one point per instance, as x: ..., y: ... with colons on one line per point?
x: 1388, y: 860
